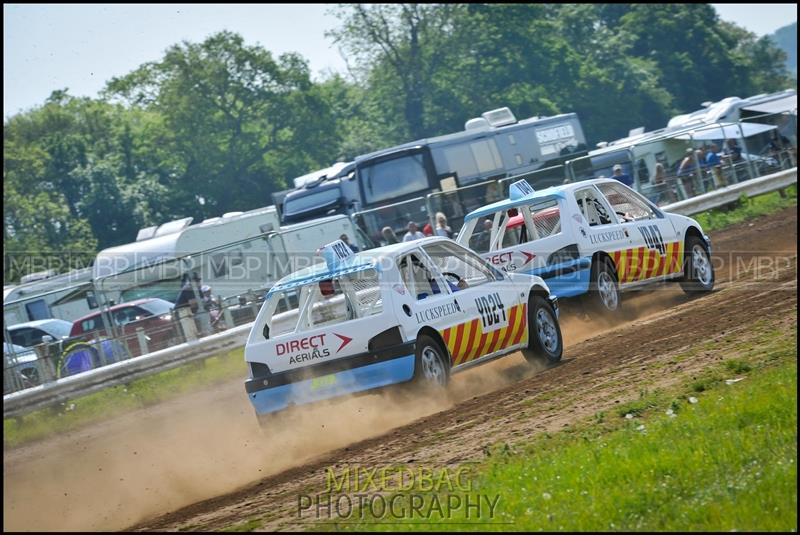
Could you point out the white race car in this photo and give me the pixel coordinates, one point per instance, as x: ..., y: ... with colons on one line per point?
x: 414, y: 311
x: 591, y: 238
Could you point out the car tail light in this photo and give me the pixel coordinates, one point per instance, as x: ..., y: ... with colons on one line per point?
x: 565, y: 254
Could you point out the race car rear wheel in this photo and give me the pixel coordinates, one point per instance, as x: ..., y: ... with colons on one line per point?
x: 545, y: 343
x: 603, y: 296
x: 430, y: 366
x: 698, y: 272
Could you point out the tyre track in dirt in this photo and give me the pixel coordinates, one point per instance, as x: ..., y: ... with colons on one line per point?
x: 115, y: 474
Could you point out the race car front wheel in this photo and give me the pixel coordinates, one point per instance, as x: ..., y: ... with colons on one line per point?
x: 603, y: 297
x: 545, y: 343
x: 698, y: 272
x: 430, y: 368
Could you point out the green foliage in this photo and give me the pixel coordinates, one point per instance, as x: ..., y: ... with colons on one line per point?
x: 220, y: 125
x: 747, y: 209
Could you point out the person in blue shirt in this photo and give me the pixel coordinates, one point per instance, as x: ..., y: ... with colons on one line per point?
x: 622, y: 177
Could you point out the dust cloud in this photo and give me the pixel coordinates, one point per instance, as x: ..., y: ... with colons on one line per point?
x: 115, y: 474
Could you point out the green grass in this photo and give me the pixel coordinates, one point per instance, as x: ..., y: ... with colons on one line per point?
x: 117, y: 400
x: 747, y: 209
x: 726, y: 460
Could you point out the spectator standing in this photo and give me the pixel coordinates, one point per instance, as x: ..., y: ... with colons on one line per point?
x: 441, y: 226
x: 686, y: 172
x: 389, y: 236
x: 714, y: 164
x: 668, y: 187
x: 413, y: 233
x: 733, y: 151
x: 622, y: 177
x: 346, y: 240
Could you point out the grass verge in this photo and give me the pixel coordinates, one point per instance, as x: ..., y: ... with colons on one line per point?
x: 747, y: 209
x: 720, y: 459
x: 116, y: 400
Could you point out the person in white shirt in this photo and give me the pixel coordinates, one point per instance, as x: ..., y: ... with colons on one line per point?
x: 441, y: 226
x: 413, y: 233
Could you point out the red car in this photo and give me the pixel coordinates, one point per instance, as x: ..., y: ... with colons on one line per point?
x: 153, y: 315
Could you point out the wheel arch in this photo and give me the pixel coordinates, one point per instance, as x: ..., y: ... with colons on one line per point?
x: 433, y: 333
x: 602, y: 256
x: 692, y: 230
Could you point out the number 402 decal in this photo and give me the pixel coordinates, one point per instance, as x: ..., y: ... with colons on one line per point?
x: 491, y: 308
x: 653, y: 239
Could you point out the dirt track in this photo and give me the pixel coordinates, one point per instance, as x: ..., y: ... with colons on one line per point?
x: 129, y: 471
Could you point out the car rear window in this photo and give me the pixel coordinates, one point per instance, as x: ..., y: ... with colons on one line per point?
x: 326, y: 302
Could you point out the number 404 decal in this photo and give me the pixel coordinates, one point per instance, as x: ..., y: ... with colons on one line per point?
x: 492, y: 311
x: 653, y: 239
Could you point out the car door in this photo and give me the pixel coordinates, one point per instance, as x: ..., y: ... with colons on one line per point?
x: 604, y: 232
x: 492, y: 308
x: 655, y: 248
x: 424, y: 297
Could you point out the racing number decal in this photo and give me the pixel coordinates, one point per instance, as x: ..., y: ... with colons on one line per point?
x: 341, y: 250
x: 652, y: 237
x: 491, y: 307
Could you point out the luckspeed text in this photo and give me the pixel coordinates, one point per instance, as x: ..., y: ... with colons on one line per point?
x: 397, y: 493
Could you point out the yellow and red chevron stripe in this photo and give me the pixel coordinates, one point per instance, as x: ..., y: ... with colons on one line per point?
x: 467, y: 341
x: 640, y: 263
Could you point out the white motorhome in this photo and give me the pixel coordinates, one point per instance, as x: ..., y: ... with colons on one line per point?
x: 235, y: 254
x: 639, y: 152
x: 49, y: 295
x: 730, y: 109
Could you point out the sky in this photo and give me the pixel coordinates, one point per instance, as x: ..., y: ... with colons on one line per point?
x: 81, y: 47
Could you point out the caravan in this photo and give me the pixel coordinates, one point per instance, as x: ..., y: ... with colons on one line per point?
x: 236, y: 254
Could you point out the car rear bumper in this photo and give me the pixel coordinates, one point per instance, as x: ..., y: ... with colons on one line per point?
x: 337, y: 378
x: 567, y: 279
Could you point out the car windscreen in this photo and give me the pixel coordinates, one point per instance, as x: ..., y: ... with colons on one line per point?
x: 58, y: 329
x: 324, y: 302
x: 301, y: 203
x: 157, y: 307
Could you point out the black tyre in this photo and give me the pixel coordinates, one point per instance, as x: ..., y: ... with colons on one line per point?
x: 545, y: 343
x: 431, y: 365
x: 698, y: 272
x: 604, y: 296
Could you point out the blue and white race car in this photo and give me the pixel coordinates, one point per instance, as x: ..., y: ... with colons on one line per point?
x: 414, y: 311
x: 592, y: 238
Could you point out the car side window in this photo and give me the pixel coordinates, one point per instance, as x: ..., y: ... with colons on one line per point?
x: 89, y: 324
x: 460, y: 268
x: 481, y: 238
x: 592, y: 207
x: 625, y: 203
x: 418, y: 279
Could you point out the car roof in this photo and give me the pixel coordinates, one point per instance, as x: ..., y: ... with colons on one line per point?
x: 358, y: 262
x: 37, y: 323
x: 552, y: 192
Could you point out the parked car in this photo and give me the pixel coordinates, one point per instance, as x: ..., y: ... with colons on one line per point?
x: 152, y: 314
x: 20, y: 367
x: 30, y: 333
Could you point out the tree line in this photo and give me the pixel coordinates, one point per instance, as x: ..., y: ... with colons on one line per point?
x: 218, y: 126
